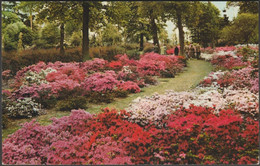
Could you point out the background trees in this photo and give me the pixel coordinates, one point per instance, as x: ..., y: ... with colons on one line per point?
x: 48, y: 24
x: 244, y: 29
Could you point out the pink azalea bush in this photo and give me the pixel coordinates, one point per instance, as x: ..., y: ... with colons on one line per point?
x: 100, y: 82
x: 227, y: 48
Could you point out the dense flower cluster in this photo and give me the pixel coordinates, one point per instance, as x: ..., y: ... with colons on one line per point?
x: 228, y: 62
x: 6, y: 74
x: 60, y: 79
x: 129, y: 86
x: 100, y: 82
x: 25, y: 107
x: 190, y: 136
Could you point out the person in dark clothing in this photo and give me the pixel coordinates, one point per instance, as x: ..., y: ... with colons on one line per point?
x: 176, y: 51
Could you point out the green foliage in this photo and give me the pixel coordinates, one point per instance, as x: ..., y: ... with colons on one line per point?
x: 99, y: 97
x: 133, y: 54
x: 106, y: 52
x: 245, y: 6
x: 148, y: 48
x: 49, y: 36
x: 243, y: 30
x: 111, y: 35
x: 75, y: 39
x: 69, y: 104
x: 205, y: 28
x: 149, y: 80
x: 9, y: 18
x: 11, y: 36
x: 120, y: 93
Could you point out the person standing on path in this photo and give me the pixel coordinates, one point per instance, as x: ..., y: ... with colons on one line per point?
x: 192, y: 51
x: 198, y: 51
x: 176, y: 51
x: 186, y: 51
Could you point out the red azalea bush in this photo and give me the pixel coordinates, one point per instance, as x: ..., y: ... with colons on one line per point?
x: 190, y: 136
x: 197, y: 136
x: 116, y: 65
x: 228, y: 62
x: 129, y: 86
x: 170, y: 51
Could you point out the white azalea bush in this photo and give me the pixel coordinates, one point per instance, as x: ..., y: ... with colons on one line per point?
x: 31, y: 77
x: 25, y: 107
x: 156, y: 107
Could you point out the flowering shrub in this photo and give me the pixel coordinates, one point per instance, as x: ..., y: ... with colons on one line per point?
x: 116, y: 65
x: 196, y: 136
x: 31, y: 77
x: 150, y: 67
x: 93, y: 65
x: 99, y: 82
x: 6, y: 74
x: 227, y: 48
x: 190, y: 136
x: 129, y: 86
x: 153, y: 64
x: 170, y: 51
x: 153, y: 109
x: 246, y: 78
x: 25, y: 107
x: 228, y: 62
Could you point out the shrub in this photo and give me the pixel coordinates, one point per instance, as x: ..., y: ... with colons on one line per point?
x: 99, y: 82
x: 71, y: 103
x: 120, y: 93
x: 129, y: 86
x: 190, y: 136
x: 149, y: 80
x: 133, y: 54
x: 99, y: 97
x: 25, y: 107
x: 148, y: 48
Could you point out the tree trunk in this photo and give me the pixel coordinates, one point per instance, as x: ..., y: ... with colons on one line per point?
x: 181, y: 34
x: 85, y: 40
x: 154, y: 32
x: 62, y: 51
x: 31, y: 23
x: 141, y: 42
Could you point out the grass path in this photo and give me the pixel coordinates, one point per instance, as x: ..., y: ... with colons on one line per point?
x: 189, y: 78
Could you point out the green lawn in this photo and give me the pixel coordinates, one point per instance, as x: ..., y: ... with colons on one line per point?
x: 189, y: 78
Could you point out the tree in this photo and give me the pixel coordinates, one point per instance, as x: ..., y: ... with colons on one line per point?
x: 59, y: 12
x: 154, y: 11
x: 206, y: 28
x: 49, y: 35
x: 28, y: 7
x: 85, y: 40
x: 245, y: 6
x: 91, y: 19
x: 179, y: 12
x: 111, y: 35
x: 243, y: 30
x: 11, y: 36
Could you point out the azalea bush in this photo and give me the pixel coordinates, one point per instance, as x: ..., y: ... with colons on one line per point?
x: 227, y: 62
x: 190, y: 136
x: 25, y: 107
x: 246, y: 78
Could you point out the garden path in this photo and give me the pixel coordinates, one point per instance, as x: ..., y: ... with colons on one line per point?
x: 189, y: 78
